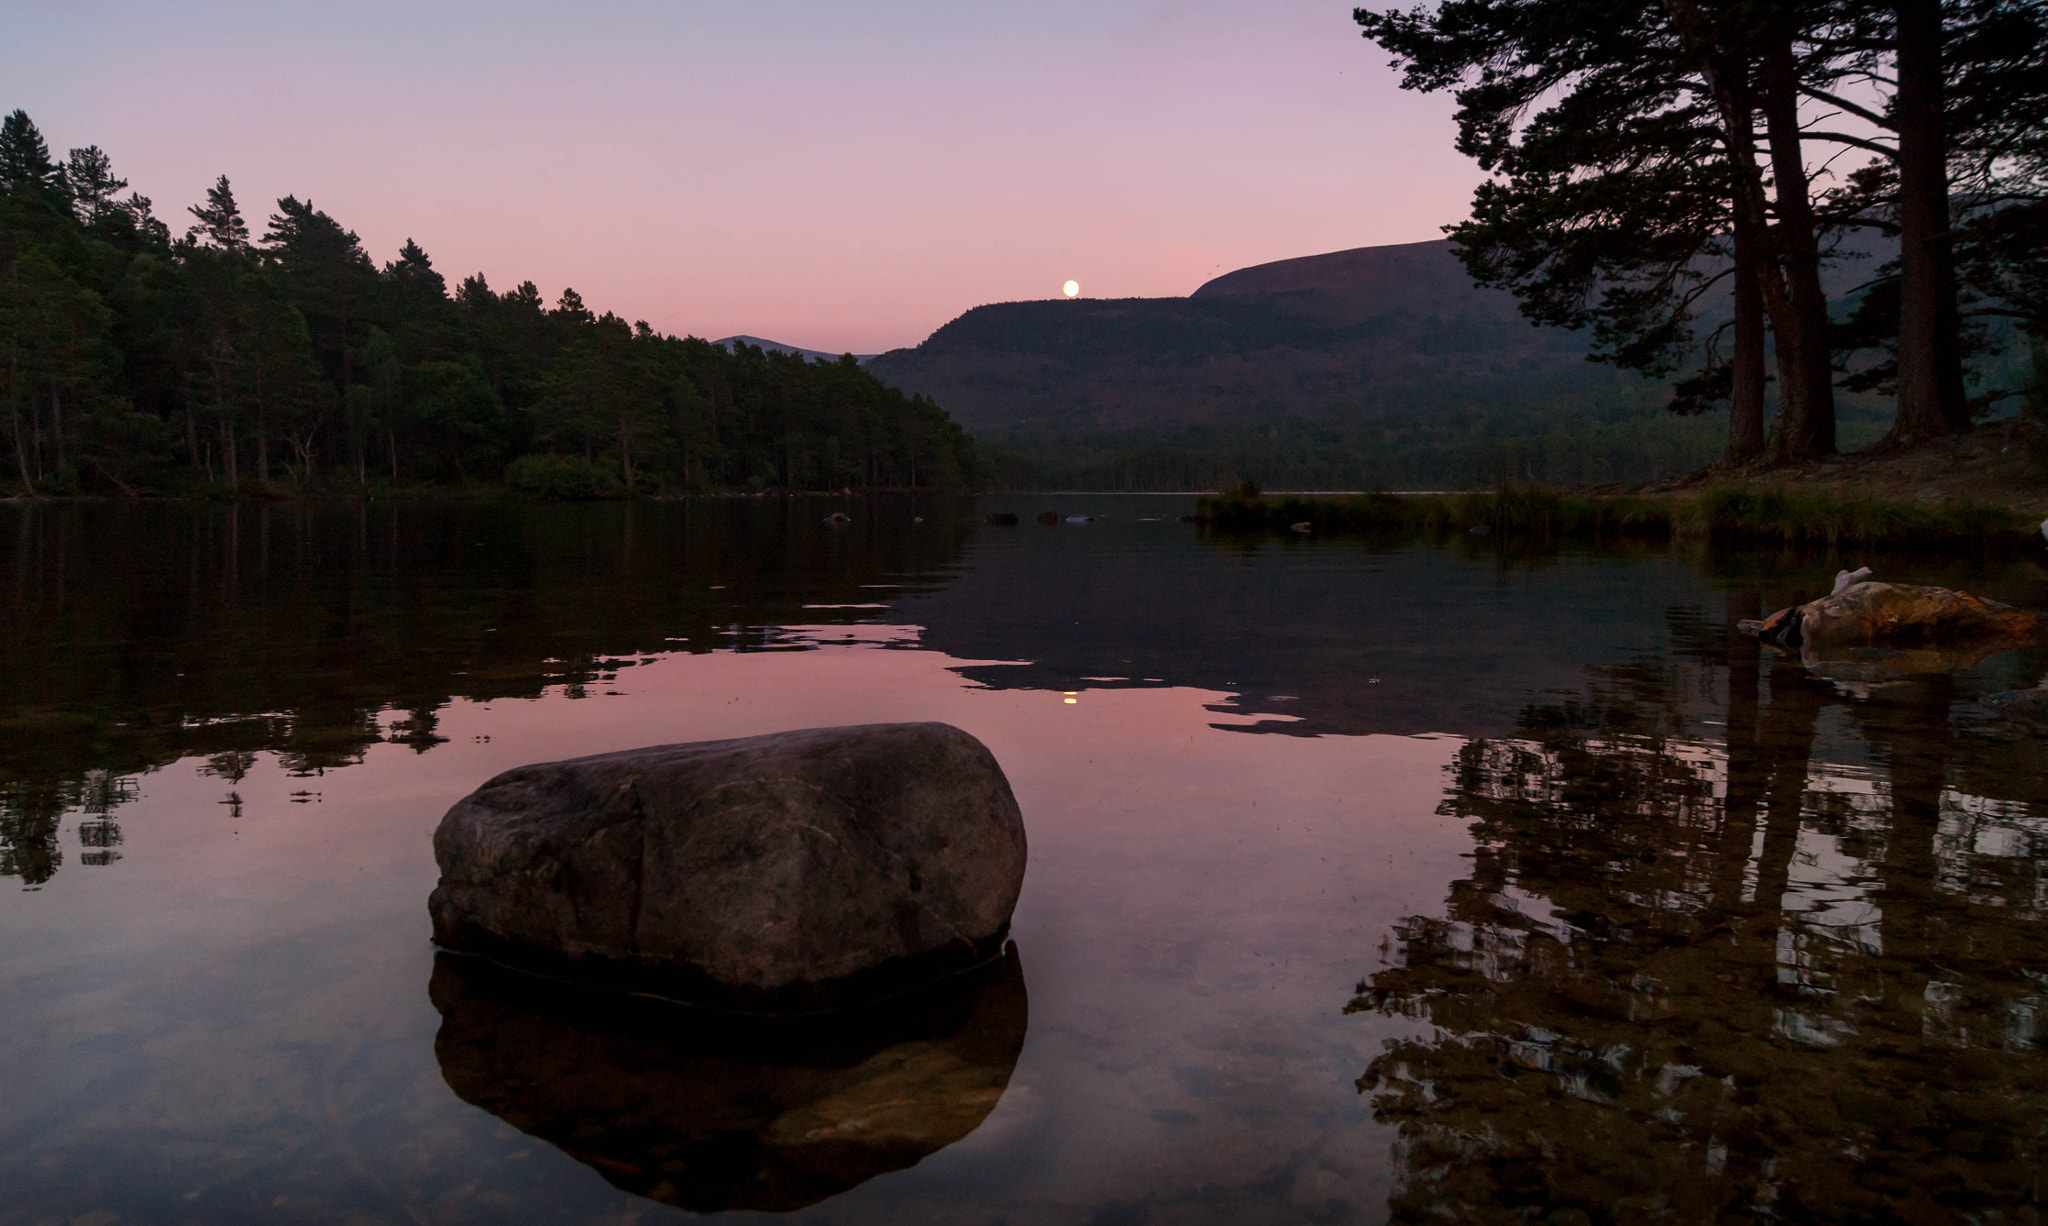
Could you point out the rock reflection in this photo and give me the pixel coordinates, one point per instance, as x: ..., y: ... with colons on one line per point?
x: 708, y: 1111
x: 1885, y: 665
x: 1727, y: 981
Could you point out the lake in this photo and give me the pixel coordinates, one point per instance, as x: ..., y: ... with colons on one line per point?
x: 1369, y: 879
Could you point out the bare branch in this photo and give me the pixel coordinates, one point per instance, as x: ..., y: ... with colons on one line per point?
x: 1858, y: 111
x: 1844, y: 138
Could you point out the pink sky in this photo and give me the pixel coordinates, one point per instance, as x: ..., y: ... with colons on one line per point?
x: 839, y: 176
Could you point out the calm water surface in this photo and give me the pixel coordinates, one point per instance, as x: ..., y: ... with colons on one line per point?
x: 1368, y: 880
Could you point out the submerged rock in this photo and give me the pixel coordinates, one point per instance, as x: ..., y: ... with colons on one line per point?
x: 1048, y: 517
x: 1870, y: 614
x: 1003, y: 519
x: 786, y: 873
x: 712, y: 1112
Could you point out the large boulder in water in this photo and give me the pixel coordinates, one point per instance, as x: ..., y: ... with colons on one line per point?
x: 785, y: 873
x: 1871, y: 614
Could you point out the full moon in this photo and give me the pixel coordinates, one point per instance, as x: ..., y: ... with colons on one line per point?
x: 1071, y: 288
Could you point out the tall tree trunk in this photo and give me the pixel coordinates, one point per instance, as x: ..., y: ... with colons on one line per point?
x: 1752, y: 254
x: 391, y: 437
x: 1746, y: 397
x: 228, y: 457
x: 1806, y: 377
x: 1931, y: 397
x: 191, y: 438
x: 14, y: 395
x: 626, y: 453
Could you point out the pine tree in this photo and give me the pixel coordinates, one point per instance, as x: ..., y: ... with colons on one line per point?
x: 90, y: 172
x: 26, y: 170
x: 140, y: 211
x: 331, y: 279
x: 1623, y: 138
x: 220, y: 222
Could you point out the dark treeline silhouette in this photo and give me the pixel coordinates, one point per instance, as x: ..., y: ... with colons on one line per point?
x: 227, y: 361
x: 1650, y: 160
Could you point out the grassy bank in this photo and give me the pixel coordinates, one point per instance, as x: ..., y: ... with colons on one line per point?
x: 1736, y: 516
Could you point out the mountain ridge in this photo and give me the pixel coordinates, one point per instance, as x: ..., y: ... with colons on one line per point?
x: 760, y: 342
x: 1371, y: 366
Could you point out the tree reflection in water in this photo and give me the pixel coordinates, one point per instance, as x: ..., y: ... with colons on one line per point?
x: 1698, y: 981
x: 133, y: 637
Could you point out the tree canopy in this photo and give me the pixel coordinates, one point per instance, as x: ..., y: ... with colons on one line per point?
x: 1660, y: 166
x: 227, y: 362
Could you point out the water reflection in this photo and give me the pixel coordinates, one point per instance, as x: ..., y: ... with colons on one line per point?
x: 1735, y: 938
x: 138, y: 636
x: 1794, y: 972
x: 707, y: 1111
x: 135, y: 636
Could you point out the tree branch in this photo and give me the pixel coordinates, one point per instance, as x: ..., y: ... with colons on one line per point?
x: 1858, y: 111
x: 1843, y: 138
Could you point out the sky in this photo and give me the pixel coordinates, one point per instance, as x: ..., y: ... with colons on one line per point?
x: 841, y: 176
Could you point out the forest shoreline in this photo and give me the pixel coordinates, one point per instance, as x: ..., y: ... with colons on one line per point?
x: 1725, y: 515
x: 449, y: 493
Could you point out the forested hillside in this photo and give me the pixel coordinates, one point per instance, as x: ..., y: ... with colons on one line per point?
x: 226, y: 361
x: 1381, y: 366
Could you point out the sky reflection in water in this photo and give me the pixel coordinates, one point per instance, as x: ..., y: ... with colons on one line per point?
x: 1542, y: 892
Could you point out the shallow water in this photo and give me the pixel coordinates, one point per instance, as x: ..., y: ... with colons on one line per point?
x: 1368, y: 880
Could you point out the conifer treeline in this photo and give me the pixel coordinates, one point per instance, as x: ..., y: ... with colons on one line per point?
x: 1647, y: 157
x: 226, y: 361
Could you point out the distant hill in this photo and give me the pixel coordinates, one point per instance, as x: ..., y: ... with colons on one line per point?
x: 1416, y: 276
x: 757, y: 342
x: 1369, y: 331
x: 1373, y: 366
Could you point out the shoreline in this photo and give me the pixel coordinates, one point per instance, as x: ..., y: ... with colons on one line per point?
x: 1731, y: 514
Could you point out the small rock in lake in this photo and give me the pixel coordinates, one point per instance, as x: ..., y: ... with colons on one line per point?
x: 1048, y: 517
x: 1002, y: 519
x: 1871, y: 614
x: 784, y: 873
x: 1303, y: 527
x: 839, y: 517
x: 1080, y: 519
